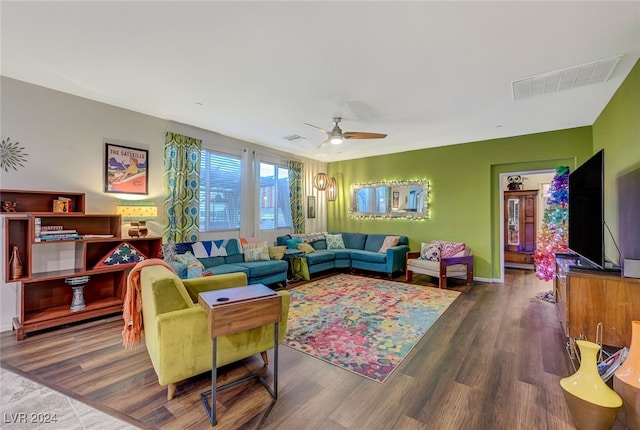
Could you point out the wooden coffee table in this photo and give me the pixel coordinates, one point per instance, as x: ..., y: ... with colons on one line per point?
x: 233, y: 310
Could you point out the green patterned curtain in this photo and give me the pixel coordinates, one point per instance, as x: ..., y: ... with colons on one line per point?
x: 296, y: 192
x: 181, y: 182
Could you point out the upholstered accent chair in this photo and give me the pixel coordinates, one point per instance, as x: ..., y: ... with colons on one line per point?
x: 176, y: 328
x: 441, y: 259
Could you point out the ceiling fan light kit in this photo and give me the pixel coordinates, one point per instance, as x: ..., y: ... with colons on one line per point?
x: 337, y: 136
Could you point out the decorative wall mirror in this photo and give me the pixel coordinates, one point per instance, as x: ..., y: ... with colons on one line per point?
x: 403, y: 199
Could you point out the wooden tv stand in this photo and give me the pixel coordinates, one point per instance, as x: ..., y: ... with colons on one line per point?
x: 586, y: 298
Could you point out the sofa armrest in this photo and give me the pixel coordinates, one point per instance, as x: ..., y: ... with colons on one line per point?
x: 413, y: 254
x: 397, y: 258
x: 181, y: 346
x: 450, y: 261
x: 196, y: 286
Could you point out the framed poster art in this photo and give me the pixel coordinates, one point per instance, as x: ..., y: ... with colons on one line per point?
x: 311, y: 206
x: 126, y: 170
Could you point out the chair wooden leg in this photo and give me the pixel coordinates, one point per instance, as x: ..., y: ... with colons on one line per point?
x: 469, y: 274
x: 265, y: 358
x: 171, y: 391
x: 409, y: 275
x: 443, y: 281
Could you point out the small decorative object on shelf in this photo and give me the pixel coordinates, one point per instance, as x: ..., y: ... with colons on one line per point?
x: 9, y: 206
x: 15, y: 264
x: 138, y: 229
x: 77, y: 284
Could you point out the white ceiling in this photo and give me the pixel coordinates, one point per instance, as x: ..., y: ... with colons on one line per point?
x: 426, y: 73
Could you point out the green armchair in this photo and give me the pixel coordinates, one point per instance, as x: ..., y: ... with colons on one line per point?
x: 176, y: 327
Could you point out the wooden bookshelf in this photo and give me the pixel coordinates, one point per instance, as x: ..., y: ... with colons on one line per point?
x: 44, y: 298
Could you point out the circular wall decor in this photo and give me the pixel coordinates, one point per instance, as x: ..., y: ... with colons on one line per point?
x: 12, y: 155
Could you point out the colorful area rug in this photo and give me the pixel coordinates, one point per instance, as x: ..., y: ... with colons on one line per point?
x: 367, y: 326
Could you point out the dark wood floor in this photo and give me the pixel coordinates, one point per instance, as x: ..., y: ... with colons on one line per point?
x: 492, y: 361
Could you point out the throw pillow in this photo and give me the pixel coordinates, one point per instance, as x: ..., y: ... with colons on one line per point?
x: 293, y: 243
x: 277, y: 252
x: 430, y: 251
x: 305, y: 247
x: 189, y: 259
x: 449, y: 249
x: 169, y: 252
x: 389, y: 241
x: 334, y: 241
x: 199, y: 250
x: 256, y: 251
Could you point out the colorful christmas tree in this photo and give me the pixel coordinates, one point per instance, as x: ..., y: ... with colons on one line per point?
x: 554, y: 230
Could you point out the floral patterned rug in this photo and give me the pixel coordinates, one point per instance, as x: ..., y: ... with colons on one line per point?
x: 367, y: 326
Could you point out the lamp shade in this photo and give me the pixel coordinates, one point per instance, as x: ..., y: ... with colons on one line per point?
x: 332, y: 190
x: 321, y: 181
x: 137, y: 211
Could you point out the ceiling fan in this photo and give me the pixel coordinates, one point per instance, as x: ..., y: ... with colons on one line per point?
x: 336, y: 136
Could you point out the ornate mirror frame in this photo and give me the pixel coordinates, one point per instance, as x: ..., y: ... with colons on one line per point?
x: 390, y: 199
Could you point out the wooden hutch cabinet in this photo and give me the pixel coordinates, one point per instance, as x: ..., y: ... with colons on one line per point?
x: 520, y: 226
x: 586, y: 298
x: 44, y: 287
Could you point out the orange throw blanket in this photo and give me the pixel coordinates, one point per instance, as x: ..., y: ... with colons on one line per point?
x: 132, y: 312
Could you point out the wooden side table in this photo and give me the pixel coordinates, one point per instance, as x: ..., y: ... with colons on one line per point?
x: 233, y: 310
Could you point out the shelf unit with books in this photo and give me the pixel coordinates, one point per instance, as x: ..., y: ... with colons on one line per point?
x: 45, y: 295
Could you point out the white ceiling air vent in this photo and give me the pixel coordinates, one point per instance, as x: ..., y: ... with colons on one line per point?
x: 565, y: 79
x: 293, y: 137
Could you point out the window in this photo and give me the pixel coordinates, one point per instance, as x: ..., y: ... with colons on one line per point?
x: 275, y: 208
x: 219, y: 191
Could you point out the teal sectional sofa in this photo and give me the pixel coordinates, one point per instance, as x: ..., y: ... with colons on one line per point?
x: 225, y: 256
x: 361, y: 251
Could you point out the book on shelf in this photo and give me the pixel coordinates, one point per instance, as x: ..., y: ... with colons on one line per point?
x: 55, y: 232
x: 54, y: 237
x: 48, y: 227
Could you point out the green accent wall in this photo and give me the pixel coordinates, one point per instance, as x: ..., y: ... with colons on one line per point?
x: 465, y: 188
x: 617, y: 130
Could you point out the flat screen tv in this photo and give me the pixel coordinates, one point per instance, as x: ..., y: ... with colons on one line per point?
x: 586, y: 211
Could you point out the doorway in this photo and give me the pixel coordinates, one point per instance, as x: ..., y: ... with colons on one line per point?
x: 524, y: 197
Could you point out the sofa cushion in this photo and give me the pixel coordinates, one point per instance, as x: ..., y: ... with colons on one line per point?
x: 355, y: 240
x: 343, y: 254
x: 305, y: 247
x: 430, y: 251
x: 277, y: 252
x: 256, y: 251
x: 210, y: 248
x: 335, y: 241
x: 189, y: 259
x: 263, y: 268
x: 450, y: 249
x: 434, y: 266
x: 319, y: 244
x: 227, y: 268
x: 212, y: 261
x: 369, y: 256
x: 389, y: 242
x: 234, y: 259
x: 321, y: 256
x: 293, y: 242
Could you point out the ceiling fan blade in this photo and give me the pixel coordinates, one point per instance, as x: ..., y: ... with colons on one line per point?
x: 323, y: 143
x: 362, y: 135
x: 319, y: 128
